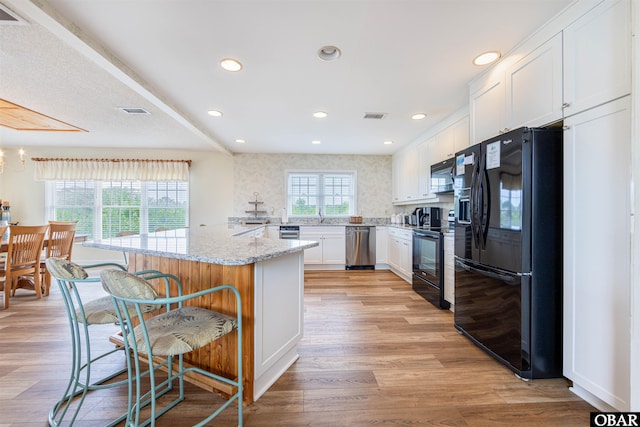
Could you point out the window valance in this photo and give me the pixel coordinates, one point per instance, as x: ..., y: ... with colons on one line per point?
x: 111, y: 169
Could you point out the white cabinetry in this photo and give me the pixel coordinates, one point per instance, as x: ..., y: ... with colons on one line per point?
x: 451, y: 140
x: 406, y: 180
x: 534, y: 87
x: 330, y: 253
x: 449, y: 270
x: 597, y: 56
x: 400, y: 253
x: 596, y: 270
x: 412, y: 166
x: 487, y: 107
x: 279, y: 316
x: 382, y: 242
x: 424, y: 170
x: 527, y: 93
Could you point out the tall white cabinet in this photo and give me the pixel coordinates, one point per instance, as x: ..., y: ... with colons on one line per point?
x: 597, y: 260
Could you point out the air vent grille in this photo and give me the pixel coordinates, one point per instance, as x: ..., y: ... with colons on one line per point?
x: 134, y: 110
x: 375, y: 116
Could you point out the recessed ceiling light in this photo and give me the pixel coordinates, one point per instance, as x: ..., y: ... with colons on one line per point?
x: 487, y: 58
x: 231, y: 64
x: 240, y: 141
x: 319, y: 114
x: 329, y: 53
x: 388, y: 142
x: 316, y: 142
x: 215, y: 113
x: 418, y: 116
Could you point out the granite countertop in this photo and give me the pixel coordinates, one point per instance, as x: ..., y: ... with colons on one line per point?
x: 219, y: 244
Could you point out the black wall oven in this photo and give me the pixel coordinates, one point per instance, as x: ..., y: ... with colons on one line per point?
x: 428, y: 266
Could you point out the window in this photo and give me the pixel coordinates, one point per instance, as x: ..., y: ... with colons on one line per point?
x: 105, y: 208
x: 326, y: 193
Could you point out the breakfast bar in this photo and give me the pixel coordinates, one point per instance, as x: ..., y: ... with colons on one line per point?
x: 268, y: 273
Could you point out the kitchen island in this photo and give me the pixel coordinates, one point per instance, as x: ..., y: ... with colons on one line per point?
x: 268, y: 273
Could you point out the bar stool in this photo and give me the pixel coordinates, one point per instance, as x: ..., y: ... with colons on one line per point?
x: 175, y: 332
x: 71, y: 278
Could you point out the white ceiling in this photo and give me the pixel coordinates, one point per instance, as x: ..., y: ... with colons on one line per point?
x: 79, y: 60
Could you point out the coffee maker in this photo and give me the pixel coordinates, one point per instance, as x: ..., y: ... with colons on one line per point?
x: 417, y: 217
x: 431, y: 217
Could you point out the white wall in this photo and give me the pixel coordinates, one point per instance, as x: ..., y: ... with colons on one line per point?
x: 265, y: 174
x: 211, y: 182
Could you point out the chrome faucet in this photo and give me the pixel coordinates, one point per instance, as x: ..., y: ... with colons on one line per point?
x: 321, y: 216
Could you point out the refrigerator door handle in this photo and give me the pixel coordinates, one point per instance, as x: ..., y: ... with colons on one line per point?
x: 509, y: 279
x: 473, y: 200
x: 486, y: 213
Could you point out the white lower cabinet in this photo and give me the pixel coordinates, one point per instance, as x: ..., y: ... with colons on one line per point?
x: 596, y: 272
x: 400, y: 252
x: 382, y: 245
x: 449, y: 270
x: 330, y: 253
x: 279, y: 317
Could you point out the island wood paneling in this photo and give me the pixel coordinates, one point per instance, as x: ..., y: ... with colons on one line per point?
x: 220, y: 356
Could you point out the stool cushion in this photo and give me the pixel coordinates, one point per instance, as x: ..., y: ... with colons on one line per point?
x: 65, y: 269
x: 102, y: 311
x: 183, y: 330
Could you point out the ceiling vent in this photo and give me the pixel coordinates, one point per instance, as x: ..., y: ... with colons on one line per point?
x: 376, y: 116
x: 134, y: 110
x: 9, y: 17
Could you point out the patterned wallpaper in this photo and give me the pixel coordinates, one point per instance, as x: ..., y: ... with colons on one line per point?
x: 265, y: 174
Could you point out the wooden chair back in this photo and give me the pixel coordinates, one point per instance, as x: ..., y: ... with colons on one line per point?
x: 60, y: 243
x: 23, y: 257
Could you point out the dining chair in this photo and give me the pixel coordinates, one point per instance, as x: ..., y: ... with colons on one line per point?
x: 23, y: 259
x: 73, y: 280
x: 59, y: 245
x: 180, y: 330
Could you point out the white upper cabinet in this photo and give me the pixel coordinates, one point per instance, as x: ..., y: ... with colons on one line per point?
x: 406, y: 175
x: 487, y: 108
x: 424, y: 169
x: 534, y: 87
x: 451, y: 140
x: 597, y: 57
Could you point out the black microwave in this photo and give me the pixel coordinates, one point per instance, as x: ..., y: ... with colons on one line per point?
x: 442, y: 176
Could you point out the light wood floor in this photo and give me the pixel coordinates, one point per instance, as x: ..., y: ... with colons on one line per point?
x: 374, y: 353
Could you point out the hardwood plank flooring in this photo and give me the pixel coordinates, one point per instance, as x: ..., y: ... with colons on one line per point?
x: 374, y: 353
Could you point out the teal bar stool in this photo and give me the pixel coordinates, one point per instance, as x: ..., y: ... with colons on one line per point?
x: 175, y: 332
x: 71, y: 279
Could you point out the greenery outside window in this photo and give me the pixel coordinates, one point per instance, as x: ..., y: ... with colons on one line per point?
x: 321, y: 193
x: 105, y: 208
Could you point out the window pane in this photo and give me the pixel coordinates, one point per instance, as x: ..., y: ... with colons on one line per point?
x: 74, y: 201
x: 121, y: 207
x: 338, y: 193
x: 168, y: 204
x: 303, y: 194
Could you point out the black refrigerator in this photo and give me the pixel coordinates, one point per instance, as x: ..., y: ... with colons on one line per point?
x: 508, y: 249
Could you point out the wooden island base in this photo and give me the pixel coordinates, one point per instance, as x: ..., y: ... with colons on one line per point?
x: 272, y: 314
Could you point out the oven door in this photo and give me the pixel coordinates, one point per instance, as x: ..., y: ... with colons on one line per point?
x: 428, y: 267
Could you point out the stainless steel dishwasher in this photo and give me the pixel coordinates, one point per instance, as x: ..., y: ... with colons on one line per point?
x: 360, y: 247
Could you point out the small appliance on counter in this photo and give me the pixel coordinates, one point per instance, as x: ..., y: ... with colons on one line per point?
x: 432, y: 217
x: 417, y: 217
